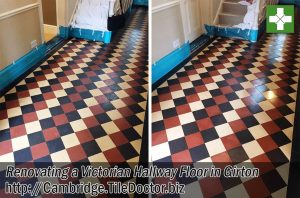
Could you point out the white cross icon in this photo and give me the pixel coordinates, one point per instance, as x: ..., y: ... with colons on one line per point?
x: 280, y: 19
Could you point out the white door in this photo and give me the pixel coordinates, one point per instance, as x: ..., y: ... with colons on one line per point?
x: 191, y: 18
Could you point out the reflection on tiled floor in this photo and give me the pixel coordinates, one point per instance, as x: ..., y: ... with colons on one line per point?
x: 85, y: 103
x: 233, y: 102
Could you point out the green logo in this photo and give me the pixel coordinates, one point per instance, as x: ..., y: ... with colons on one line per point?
x: 280, y: 19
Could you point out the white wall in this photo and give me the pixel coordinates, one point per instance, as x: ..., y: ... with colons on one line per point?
x: 19, y: 26
x: 167, y: 25
x: 166, y: 28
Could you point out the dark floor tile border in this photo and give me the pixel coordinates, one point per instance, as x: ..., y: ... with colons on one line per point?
x: 144, y: 157
x: 182, y: 64
x: 293, y: 189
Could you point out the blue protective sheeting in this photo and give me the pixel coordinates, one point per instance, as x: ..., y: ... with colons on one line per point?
x: 66, y: 32
x: 169, y: 62
x: 91, y: 34
x: 231, y: 32
x: 21, y: 66
x: 140, y: 2
x: 290, y: 2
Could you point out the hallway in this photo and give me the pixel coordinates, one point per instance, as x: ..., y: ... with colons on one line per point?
x: 233, y: 102
x: 86, y: 103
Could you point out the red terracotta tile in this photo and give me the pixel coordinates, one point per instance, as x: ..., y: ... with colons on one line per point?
x: 125, y: 111
x: 60, y: 119
x: 183, y: 156
x: 171, y: 122
x: 131, y: 91
x: 91, y: 122
x: 84, y: 136
x: 208, y: 80
x: 263, y: 163
x: 49, y: 95
x: 164, y: 97
x: 232, y: 81
x: 211, y: 186
x: 23, y: 94
x: 51, y: 134
x: 56, y: 87
x: 182, y: 109
x: 75, y: 97
x: 81, y: 88
x: 113, y: 155
x: 5, y: 147
x: 122, y: 124
x: 192, y: 98
x: 156, y: 107
x: 40, y: 105
x: 226, y: 90
x: 96, y: 110
x: 30, y: 117
x: 3, y: 114
x: 271, y: 127
x: 159, y: 138
x: 204, y: 124
x: 256, y: 187
x: 128, y: 101
x: 175, y: 87
x: 237, y: 126
x: 69, y: 107
x: 18, y: 131
x: 220, y: 99
x: 274, y: 114
x: 12, y: 104
x: 39, y: 151
x: 76, y: 153
x: 230, y: 141
x: 201, y: 88
x: 277, y: 102
x: 194, y: 140
x: 213, y: 110
x: 119, y: 138
x: 267, y: 143
x: 222, y: 158
x: 243, y: 112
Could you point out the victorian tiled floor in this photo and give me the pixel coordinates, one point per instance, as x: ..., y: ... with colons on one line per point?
x: 87, y: 102
x: 233, y: 102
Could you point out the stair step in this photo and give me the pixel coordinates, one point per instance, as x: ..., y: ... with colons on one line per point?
x: 234, y: 8
x: 230, y: 19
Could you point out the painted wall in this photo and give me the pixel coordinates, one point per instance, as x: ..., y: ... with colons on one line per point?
x: 49, y: 12
x: 166, y: 27
x: 8, y: 5
x: 18, y: 29
x: 65, y: 10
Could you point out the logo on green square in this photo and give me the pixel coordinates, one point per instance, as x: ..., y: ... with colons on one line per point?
x: 280, y: 19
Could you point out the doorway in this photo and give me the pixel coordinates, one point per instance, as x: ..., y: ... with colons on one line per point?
x: 50, y: 19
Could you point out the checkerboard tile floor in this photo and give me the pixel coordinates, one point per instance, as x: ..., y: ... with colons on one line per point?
x: 233, y: 102
x: 85, y: 103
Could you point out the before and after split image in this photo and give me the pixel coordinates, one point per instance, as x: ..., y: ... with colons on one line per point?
x: 150, y: 98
